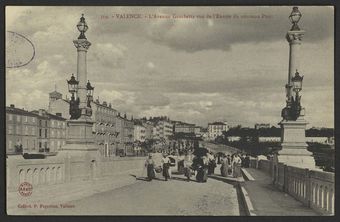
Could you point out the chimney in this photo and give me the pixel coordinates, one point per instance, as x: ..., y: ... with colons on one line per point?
x: 12, y: 106
x: 104, y: 103
x: 110, y: 105
x: 41, y: 112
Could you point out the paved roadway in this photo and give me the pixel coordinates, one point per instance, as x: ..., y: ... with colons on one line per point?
x: 158, y: 197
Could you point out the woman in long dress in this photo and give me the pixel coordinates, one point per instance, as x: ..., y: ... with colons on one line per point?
x: 187, y: 166
x: 224, y: 166
x: 166, y: 166
x: 150, y: 166
x: 237, y: 166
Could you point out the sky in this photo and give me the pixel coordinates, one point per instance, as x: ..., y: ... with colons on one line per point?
x: 221, y: 64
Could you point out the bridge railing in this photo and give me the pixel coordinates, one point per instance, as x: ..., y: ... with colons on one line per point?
x: 313, y: 188
x: 63, y: 169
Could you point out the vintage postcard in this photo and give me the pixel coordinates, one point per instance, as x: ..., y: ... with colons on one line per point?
x: 219, y: 111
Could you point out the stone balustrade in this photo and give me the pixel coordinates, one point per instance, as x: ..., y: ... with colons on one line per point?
x: 38, y: 172
x: 313, y: 188
x: 63, y: 169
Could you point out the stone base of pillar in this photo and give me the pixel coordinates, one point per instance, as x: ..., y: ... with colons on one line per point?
x: 294, y: 147
x: 80, y: 134
x: 80, y: 151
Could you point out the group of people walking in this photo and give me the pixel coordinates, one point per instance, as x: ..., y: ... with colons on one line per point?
x: 201, y: 166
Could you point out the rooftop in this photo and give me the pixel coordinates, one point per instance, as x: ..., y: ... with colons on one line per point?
x: 217, y: 123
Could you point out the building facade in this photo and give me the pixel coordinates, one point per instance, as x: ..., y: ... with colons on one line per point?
x: 21, y: 131
x: 58, y: 105
x: 51, y: 131
x: 104, y: 127
x: 57, y: 132
x: 216, y: 129
x: 139, y: 132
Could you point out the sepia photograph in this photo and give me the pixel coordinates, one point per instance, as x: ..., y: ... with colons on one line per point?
x: 170, y: 111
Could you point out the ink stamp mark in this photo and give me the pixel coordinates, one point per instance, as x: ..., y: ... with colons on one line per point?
x: 20, y: 51
x: 25, y: 189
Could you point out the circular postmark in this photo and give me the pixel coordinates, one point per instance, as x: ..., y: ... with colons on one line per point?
x: 25, y: 189
x: 19, y: 50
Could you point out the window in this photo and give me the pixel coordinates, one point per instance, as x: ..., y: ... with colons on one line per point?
x: 52, y: 123
x: 45, y: 133
x: 10, y: 116
x: 26, y: 119
x: 58, y: 144
x: 58, y: 133
x: 10, y: 144
x: 46, y: 123
x: 18, y: 130
x: 26, y: 129
x: 18, y: 118
x: 33, y: 131
x: 33, y: 119
x: 39, y: 145
x: 33, y: 144
x: 40, y: 132
x: 52, y: 144
x: 39, y: 122
x: 52, y: 133
x: 10, y: 129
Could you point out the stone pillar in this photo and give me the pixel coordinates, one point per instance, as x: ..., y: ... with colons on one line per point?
x: 294, y: 38
x: 80, y: 142
x: 293, y: 139
x: 82, y: 46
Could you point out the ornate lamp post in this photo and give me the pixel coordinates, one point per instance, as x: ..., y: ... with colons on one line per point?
x: 80, y: 140
x: 82, y: 45
x: 293, y: 126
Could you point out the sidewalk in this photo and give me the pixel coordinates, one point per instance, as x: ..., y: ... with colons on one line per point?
x: 62, y: 193
x: 267, y: 200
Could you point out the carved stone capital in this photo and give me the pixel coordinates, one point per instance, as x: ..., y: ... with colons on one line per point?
x: 295, y: 36
x: 82, y: 44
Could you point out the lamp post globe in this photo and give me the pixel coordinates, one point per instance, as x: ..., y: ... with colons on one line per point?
x: 82, y: 27
x: 295, y: 17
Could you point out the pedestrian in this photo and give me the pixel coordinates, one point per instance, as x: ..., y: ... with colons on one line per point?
x: 211, y: 164
x: 150, y: 167
x: 166, y: 166
x: 180, y: 163
x: 247, y: 161
x: 237, y: 166
x: 187, y: 166
x: 229, y: 162
x: 224, y: 166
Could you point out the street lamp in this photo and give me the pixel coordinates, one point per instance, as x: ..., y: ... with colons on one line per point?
x: 82, y: 27
x: 297, y: 82
x: 74, y: 111
x: 295, y: 17
x: 89, y: 93
x: 296, y: 103
x: 89, y: 89
x: 72, y: 85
